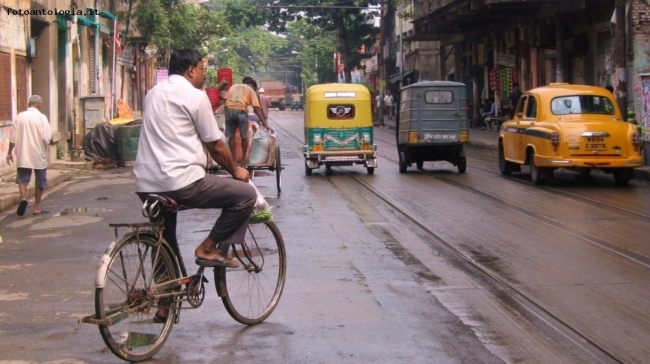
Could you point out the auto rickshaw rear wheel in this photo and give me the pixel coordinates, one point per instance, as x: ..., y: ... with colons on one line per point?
x: 328, y: 169
x: 402, y: 162
x: 419, y: 164
x: 307, y: 169
x: 371, y: 170
x: 462, y: 165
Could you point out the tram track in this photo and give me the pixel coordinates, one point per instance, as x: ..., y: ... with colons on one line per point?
x: 589, y: 238
x: 555, y: 224
x: 477, y: 269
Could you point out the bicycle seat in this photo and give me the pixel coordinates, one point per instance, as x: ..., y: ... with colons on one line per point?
x: 155, y: 204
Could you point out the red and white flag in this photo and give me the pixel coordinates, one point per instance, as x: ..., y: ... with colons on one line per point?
x: 118, y: 39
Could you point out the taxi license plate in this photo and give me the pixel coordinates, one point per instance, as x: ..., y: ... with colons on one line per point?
x: 595, y: 143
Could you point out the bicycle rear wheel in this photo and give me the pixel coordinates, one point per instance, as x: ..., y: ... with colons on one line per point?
x: 124, y: 300
x: 252, y: 291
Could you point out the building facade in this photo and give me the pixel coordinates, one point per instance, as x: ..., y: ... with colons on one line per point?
x: 66, y: 52
x: 492, y: 44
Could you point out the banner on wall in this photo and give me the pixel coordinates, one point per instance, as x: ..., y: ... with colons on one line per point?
x: 161, y: 75
x: 645, y: 109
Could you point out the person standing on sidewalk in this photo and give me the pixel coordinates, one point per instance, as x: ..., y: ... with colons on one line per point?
x: 30, y: 136
x: 388, y: 103
x: 378, y: 103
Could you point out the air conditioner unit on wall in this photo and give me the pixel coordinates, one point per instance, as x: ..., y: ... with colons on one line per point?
x: 31, y: 47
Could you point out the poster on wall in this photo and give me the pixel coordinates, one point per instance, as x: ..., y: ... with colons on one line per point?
x: 645, y: 109
x: 161, y: 75
x: 127, y: 58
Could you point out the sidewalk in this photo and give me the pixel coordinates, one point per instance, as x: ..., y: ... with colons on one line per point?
x: 58, y: 172
x: 489, y: 139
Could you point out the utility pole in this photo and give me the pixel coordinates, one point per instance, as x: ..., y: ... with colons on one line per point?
x: 619, y: 78
x: 383, y: 54
x: 559, y: 46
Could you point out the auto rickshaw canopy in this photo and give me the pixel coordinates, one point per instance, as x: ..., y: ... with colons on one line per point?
x: 338, y: 105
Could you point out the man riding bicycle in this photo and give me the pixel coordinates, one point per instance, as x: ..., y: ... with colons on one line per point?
x: 171, y: 160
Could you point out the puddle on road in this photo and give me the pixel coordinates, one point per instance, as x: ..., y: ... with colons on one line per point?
x: 83, y: 210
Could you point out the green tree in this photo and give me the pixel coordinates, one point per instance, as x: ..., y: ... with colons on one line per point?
x: 170, y: 25
x: 347, y: 20
x: 315, y: 48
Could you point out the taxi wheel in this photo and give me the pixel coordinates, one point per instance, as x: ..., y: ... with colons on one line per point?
x: 505, y: 167
x: 402, y: 162
x: 536, y: 173
x: 621, y: 177
x: 462, y: 165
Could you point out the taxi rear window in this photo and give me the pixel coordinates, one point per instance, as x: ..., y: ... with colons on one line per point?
x: 438, y: 97
x: 589, y: 104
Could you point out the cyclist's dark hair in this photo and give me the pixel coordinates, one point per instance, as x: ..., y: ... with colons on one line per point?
x: 182, y: 59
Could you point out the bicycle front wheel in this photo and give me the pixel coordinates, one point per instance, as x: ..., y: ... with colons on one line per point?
x: 126, y: 305
x: 252, y: 291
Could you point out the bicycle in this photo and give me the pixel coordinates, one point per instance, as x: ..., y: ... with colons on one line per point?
x: 141, y: 272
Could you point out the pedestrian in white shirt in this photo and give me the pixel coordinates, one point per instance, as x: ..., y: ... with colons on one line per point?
x: 30, y: 136
x: 388, y: 104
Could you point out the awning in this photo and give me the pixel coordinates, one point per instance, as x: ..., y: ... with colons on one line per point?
x: 107, y: 15
x: 85, y: 22
x: 397, y: 77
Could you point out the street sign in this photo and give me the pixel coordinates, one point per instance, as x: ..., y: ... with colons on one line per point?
x: 151, y: 50
x: 127, y: 58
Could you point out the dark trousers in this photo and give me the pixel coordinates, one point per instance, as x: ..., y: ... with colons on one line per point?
x: 235, y: 198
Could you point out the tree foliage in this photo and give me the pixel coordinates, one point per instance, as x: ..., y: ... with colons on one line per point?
x: 348, y: 20
x: 315, y: 48
x: 171, y: 25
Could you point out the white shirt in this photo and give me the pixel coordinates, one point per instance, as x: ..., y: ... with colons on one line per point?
x: 31, y: 133
x: 177, y: 119
x: 388, y: 100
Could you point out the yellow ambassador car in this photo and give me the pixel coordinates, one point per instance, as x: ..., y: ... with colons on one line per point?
x: 569, y: 126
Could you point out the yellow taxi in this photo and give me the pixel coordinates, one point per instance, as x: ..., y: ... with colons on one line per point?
x: 568, y: 126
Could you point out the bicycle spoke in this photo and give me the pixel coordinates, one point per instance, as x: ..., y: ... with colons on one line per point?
x: 254, y: 289
x: 126, y: 304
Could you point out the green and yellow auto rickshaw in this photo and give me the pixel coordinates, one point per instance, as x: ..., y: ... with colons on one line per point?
x: 296, y: 102
x: 338, y: 127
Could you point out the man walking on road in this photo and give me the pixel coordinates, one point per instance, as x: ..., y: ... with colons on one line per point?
x: 30, y: 136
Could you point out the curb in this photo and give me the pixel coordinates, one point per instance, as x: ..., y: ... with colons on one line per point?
x: 9, y: 200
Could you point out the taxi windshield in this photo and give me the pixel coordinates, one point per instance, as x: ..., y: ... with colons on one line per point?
x: 585, y: 104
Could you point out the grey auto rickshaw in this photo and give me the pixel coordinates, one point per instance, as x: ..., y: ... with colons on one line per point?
x: 432, y: 124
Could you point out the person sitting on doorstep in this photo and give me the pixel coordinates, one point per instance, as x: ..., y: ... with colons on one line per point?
x: 488, y: 110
